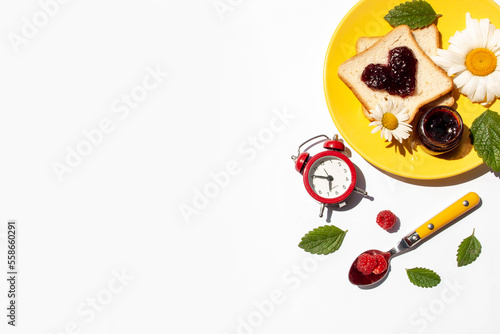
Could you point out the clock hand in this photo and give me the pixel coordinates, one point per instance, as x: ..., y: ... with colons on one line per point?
x: 330, y: 179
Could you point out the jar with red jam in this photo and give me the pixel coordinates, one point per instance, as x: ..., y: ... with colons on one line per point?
x: 440, y: 130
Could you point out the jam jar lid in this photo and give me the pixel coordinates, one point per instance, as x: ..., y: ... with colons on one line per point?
x: 440, y: 129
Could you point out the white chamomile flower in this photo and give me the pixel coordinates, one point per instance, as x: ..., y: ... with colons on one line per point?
x: 389, y: 118
x: 472, y: 60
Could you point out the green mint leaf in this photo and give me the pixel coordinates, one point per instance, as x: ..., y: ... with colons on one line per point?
x: 468, y: 251
x: 323, y: 240
x: 485, y: 132
x: 415, y: 14
x: 422, y: 277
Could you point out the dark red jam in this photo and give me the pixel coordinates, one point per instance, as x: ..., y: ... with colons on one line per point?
x: 440, y: 129
x: 397, y: 77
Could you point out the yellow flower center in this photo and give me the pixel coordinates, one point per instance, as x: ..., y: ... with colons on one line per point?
x: 389, y: 121
x: 481, y: 62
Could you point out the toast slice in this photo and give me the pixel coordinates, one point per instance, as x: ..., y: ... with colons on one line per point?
x: 432, y: 82
x: 428, y: 40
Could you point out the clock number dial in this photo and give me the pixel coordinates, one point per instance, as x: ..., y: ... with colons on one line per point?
x: 330, y: 177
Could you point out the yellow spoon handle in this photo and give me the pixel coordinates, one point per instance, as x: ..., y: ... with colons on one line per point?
x: 464, y: 204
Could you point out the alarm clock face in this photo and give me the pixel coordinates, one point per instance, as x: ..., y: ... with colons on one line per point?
x: 330, y: 178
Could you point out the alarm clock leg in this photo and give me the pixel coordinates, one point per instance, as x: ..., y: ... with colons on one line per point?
x: 321, y: 209
x: 360, y: 191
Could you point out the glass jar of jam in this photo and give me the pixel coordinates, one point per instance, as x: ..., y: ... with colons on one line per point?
x: 440, y: 130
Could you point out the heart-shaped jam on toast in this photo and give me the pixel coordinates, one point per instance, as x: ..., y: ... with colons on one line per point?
x: 397, y: 77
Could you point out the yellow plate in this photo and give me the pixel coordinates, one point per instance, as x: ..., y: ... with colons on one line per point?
x: 366, y: 18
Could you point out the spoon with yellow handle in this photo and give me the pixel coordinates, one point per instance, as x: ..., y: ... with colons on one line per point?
x: 424, y: 231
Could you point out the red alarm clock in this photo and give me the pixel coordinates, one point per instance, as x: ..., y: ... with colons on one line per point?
x: 329, y: 176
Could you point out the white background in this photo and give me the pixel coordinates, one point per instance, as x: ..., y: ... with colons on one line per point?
x: 105, y: 248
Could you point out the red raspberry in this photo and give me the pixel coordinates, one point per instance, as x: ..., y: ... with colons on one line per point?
x: 366, y: 263
x: 381, y: 264
x: 386, y: 219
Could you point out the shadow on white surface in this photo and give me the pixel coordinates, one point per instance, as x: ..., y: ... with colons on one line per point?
x: 354, y: 199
